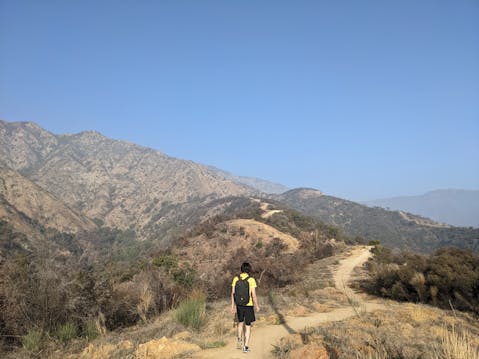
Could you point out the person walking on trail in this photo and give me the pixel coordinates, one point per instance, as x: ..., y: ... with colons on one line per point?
x: 244, y: 302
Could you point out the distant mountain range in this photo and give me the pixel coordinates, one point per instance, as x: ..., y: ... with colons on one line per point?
x: 254, y: 182
x: 88, y: 183
x: 396, y: 229
x: 452, y: 206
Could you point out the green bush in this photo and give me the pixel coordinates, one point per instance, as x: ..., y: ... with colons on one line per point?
x: 67, y: 332
x: 192, y: 312
x: 184, y: 276
x: 167, y: 261
x: 90, y: 330
x: 32, y: 341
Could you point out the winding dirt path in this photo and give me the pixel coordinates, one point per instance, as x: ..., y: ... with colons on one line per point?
x: 262, y: 338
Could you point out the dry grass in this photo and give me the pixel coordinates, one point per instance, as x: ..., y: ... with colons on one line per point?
x: 456, y: 344
x: 145, y: 301
x: 192, y: 312
x: 259, y: 231
x: 404, y: 331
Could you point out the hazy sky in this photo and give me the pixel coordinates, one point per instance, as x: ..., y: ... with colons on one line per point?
x: 360, y: 99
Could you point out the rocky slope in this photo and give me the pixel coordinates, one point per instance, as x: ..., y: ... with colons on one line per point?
x: 113, y: 182
x: 23, y: 204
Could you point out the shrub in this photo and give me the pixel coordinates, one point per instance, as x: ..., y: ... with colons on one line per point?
x: 450, y: 276
x: 32, y: 341
x: 90, y: 330
x: 184, y: 276
x: 167, y: 261
x: 67, y: 332
x: 192, y: 312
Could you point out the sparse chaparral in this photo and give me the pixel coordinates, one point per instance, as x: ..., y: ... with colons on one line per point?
x: 239, y: 179
x: 129, y: 253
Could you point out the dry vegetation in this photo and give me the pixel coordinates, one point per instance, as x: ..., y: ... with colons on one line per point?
x: 404, y: 330
x: 177, y: 299
x: 448, y: 278
x: 400, y: 330
x: 49, y: 300
x: 407, y: 331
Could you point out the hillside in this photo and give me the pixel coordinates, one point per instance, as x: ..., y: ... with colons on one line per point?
x: 393, y: 228
x: 251, y: 234
x: 108, y: 276
x: 453, y: 206
x: 128, y: 187
x: 26, y: 207
x: 114, y: 183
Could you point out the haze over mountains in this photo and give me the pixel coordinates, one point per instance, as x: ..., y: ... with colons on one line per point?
x: 257, y: 183
x: 395, y: 229
x: 86, y: 181
x: 453, y: 206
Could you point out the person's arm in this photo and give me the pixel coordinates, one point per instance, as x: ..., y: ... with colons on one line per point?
x: 233, y: 306
x: 255, y: 299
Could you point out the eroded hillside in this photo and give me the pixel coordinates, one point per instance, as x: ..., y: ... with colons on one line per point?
x: 116, y: 183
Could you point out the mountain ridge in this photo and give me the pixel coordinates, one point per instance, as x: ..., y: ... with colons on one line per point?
x: 116, y: 182
x: 125, y: 186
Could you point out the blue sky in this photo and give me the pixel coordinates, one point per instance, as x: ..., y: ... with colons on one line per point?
x: 360, y: 99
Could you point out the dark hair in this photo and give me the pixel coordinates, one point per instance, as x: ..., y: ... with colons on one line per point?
x: 246, y: 268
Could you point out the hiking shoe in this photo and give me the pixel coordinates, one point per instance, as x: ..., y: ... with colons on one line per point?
x: 245, y: 350
x: 239, y: 344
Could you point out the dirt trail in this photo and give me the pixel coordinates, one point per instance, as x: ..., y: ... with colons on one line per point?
x: 262, y: 338
x: 343, y: 273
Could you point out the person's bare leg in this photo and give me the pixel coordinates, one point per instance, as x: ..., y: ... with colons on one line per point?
x: 240, y: 330
x: 247, y: 335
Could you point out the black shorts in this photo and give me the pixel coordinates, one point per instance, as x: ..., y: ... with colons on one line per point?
x: 245, y: 314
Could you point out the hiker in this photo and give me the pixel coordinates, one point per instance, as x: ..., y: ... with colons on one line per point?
x: 243, y: 296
